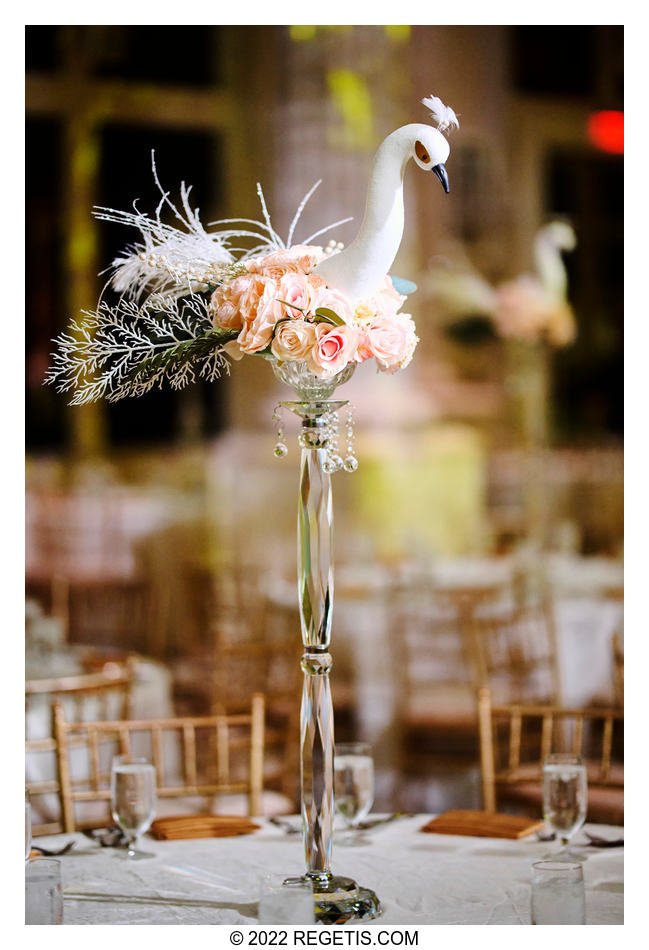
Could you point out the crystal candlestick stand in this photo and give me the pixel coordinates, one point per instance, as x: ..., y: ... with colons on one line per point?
x: 337, y: 899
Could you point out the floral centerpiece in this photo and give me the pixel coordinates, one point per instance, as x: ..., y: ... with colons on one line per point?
x: 191, y: 300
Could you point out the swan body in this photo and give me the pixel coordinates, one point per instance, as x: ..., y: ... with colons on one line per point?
x: 359, y: 270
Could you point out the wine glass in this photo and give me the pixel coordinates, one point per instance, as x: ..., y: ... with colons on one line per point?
x: 133, y: 799
x: 353, y: 787
x: 565, y: 797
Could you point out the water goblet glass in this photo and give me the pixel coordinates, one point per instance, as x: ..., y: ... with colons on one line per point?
x: 353, y: 787
x: 286, y: 902
x: 558, y: 895
x: 565, y: 799
x: 133, y: 799
x: 43, y: 892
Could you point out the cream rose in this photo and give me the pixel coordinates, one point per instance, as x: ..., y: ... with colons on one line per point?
x: 334, y: 348
x: 293, y: 340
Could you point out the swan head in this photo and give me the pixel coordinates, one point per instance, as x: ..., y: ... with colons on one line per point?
x: 430, y: 150
x: 561, y: 234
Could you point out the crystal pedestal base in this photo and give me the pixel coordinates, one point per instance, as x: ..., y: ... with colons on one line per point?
x: 339, y: 899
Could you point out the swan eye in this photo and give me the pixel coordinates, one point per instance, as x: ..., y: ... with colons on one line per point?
x: 421, y: 152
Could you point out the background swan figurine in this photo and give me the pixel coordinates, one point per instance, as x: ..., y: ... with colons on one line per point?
x: 531, y: 306
x: 359, y: 270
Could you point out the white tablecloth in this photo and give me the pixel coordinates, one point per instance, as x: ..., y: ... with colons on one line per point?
x: 420, y: 878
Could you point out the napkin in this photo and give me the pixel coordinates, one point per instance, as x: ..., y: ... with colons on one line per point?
x: 177, y: 827
x: 482, y: 824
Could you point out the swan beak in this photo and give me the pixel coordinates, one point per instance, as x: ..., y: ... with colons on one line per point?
x: 440, y: 172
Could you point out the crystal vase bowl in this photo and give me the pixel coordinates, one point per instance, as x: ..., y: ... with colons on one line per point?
x: 308, y: 386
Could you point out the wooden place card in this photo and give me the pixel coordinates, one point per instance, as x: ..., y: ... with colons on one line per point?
x: 178, y: 827
x: 482, y: 824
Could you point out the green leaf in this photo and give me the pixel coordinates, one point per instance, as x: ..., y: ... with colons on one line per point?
x: 325, y: 315
x: 290, y: 305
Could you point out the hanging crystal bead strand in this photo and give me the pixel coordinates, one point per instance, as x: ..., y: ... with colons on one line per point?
x: 280, y: 450
x: 351, y: 462
x: 333, y: 462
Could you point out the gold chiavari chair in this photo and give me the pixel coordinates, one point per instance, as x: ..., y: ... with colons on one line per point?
x: 238, y: 744
x: 511, y: 766
x: 106, y: 694
x: 514, y: 652
x: 266, y: 660
x: 436, y: 721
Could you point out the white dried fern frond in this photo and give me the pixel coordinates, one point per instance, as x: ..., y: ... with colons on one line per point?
x: 443, y: 115
x: 98, y: 357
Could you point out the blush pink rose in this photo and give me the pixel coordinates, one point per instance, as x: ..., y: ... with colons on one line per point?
x: 386, y: 301
x: 392, y: 341
x: 295, y: 289
x: 334, y: 300
x: 293, y: 340
x: 334, y: 348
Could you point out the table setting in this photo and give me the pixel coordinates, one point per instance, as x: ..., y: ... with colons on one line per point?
x: 422, y: 878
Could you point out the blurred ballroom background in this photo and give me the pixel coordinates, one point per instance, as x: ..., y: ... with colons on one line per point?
x: 490, y: 471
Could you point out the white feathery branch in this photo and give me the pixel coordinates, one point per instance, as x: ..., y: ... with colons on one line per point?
x: 98, y: 354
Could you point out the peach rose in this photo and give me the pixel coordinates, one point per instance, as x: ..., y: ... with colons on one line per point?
x: 294, y: 260
x: 259, y: 323
x: 334, y: 348
x: 293, y: 340
x: 235, y: 304
x: 233, y: 350
x: 392, y: 341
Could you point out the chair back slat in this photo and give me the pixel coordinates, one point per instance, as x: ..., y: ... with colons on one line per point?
x: 577, y: 735
x: 515, y: 741
x: 547, y: 728
x: 607, y: 745
x: 189, y: 745
x: 157, y: 749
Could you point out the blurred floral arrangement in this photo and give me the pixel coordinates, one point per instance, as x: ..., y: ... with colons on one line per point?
x: 190, y: 299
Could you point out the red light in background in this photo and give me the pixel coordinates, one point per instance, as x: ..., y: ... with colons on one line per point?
x: 606, y: 131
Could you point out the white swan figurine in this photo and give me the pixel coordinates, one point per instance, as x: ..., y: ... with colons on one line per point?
x: 359, y: 270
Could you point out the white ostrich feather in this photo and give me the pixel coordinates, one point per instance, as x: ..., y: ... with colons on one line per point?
x: 443, y: 115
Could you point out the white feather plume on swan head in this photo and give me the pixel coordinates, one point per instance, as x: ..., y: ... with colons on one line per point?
x: 443, y: 115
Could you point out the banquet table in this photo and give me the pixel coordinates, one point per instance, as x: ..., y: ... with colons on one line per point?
x: 420, y: 878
